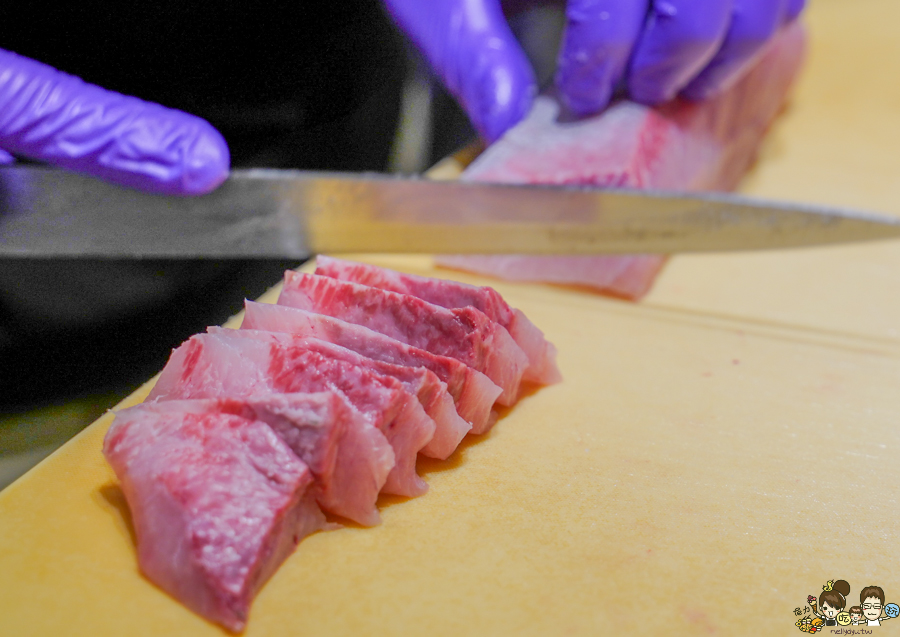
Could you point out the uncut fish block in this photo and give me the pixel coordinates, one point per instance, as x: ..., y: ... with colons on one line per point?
x: 218, y: 503
x: 451, y: 294
x: 473, y: 393
x: 461, y: 333
x: 681, y: 145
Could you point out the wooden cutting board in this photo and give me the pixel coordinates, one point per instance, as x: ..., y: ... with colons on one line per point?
x: 715, y: 454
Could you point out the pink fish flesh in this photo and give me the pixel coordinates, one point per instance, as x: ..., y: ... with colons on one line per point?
x: 383, y: 400
x: 327, y: 434
x: 362, y: 461
x: 218, y: 502
x: 461, y: 333
x: 242, y: 363
x: 472, y: 392
x: 541, y: 354
x: 682, y: 145
x: 431, y: 392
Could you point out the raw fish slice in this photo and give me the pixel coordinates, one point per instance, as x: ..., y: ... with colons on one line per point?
x: 244, y: 362
x: 679, y: 146
x: 461, y: 333
x: 325, y: 432
x: 451, y: 294
x: 383, y: 400
x: 217, y: 501
x: 472, y: 392
x: 203, y: 367
x: 431, y: 392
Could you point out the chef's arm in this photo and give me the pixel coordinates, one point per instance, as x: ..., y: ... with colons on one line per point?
x: 651, y: 50
x: 49, y: 116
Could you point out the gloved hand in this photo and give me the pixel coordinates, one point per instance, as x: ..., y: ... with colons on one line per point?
x: 655, y: 49
x: 49, y: 116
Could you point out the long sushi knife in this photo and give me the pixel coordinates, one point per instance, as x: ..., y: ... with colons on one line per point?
x: 48, y: 213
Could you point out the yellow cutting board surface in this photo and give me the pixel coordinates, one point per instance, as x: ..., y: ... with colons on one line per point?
x: 715, y: 454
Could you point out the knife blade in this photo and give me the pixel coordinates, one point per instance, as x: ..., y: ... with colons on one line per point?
x: 263, y: 213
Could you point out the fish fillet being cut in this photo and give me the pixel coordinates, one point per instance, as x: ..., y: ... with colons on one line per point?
x: 461, y: 333
x: 218, y: 502
x: 473, y: 393
x: 451, y: 294
x: 679, y: 146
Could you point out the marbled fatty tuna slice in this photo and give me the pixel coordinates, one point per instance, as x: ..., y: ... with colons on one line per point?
x: 205, y: 367
x: 682, y: 145
x: 461, y: 333
x: 381, y: 399
x: 472, y: 392
x: 243, y: 362
x: 431, y: 392
x: 324, y: 431
x: 451, y: 294
x: 218, y: 502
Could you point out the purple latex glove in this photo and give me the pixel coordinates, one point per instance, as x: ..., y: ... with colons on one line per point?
x: 49, y: 116
x: 656, y: 49
x: 473, y: 50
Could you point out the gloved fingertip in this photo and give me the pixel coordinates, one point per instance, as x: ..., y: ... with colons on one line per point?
x: 501, y: 120
x: 753, y: 24
x: 501, y: 97
x: 470, y: 46
x: 597, y: 44
x: 649, y: 91
x: 679, y: 39
x: 585, y: 88
x: 582, y: 104
x: 165, y: 151
x: 206, y: 163
x: 5, y: 158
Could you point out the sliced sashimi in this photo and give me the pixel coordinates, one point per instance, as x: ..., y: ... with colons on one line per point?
x: 204, y: 367
x: 472, y: 392
x: 327, y: 434
x: 451, y: 294
x: 218, y: 502
x: 465, y: 334
x: 383, y: 400
x: 243, y: 362
x: 431, y: 392
x: 682, y: 145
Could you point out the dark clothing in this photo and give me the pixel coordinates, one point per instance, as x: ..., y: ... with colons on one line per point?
x: 299, y: 84
x: 307, y: 84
